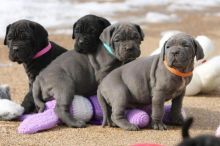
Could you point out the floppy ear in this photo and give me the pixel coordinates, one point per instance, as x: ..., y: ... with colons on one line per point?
x: 140, y: 31
x: 74, y: 25
x: 162, y: 53
x: 40, y: 33
x: 106, y: 35
x: 103, y: 22
x: 198, y: 50
x: 7, y: 29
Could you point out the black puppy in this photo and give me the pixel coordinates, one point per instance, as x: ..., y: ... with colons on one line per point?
x: 29, y: 45
x: 203, y: 140
x: 86, y: 32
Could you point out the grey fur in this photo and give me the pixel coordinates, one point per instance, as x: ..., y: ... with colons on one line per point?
x: 146, y: 81
x: 74, y: 73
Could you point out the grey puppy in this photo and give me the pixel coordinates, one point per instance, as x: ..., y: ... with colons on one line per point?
x: 70, y: 74
x: 147, y: 81
x: 120, y: 44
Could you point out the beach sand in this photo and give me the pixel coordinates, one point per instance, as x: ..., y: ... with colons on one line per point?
x: 205, y: 108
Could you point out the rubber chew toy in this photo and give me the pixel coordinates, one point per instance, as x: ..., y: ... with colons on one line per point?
x: 81, y: 109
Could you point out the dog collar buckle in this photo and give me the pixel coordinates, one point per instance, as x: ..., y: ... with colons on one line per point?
x: 43, y: 51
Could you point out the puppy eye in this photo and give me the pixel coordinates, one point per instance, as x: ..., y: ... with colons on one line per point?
x: 116, y: 40
x: 167, y: 47
x: 186, y: 46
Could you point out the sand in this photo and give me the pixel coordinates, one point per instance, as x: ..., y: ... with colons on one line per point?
x: 205, y: 108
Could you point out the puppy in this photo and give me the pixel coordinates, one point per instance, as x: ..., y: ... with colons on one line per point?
x: 150, y: 80
x: 75, y: 75
x: 28, y: 45
x: 203, y: 140
x: 118, y: 44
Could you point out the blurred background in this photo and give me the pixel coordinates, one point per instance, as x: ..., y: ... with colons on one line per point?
x: 155, y: 16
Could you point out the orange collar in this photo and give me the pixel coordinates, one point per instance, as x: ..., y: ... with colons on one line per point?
x: 175, y: 71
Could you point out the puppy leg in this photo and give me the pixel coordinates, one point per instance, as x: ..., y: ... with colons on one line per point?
x: 105, y: 109
x: 158, y: 111
x: 176, y: 114
x: 37, y: 95
x: 64, y: 97
x: 28, y: 103
x: 119, y: 106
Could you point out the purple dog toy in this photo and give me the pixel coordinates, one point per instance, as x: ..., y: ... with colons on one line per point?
x: 81, y: 109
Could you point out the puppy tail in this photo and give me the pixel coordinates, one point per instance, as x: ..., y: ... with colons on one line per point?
x: 104, y: 107
x: 185, y: 128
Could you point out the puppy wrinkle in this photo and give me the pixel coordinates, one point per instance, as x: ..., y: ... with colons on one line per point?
x: 185, y: 128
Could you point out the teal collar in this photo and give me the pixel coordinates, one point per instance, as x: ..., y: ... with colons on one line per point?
x: 109, y: 49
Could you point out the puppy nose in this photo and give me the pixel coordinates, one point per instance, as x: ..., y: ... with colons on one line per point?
x: 175, y: 52
x: 130, y: 48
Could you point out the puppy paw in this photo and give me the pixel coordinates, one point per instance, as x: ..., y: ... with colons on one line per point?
x: 132, y: 128
x: 41, y: 108
x: 158, y: 125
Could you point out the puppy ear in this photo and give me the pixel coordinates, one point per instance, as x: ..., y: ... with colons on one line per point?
x: 198, y: 50
x: 103, y: 22
x: 107, y: 33
x: 7, y: 29
x: 74, y: 25
x: 162, y: 53
x: 140, y: 31
x: 40, y: 33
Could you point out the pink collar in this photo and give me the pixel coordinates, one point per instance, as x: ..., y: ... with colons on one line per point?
x: 43, y: 51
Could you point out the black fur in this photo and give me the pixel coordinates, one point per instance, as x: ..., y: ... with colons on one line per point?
x: 25, y: 38
x: 203, y: 140
x: 86, y: 31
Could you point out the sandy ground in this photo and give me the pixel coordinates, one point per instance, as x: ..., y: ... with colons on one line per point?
x: 205, y: 108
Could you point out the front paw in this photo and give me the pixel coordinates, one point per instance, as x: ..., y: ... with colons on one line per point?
x: 158, y: 125
x: 41, y: 108
x: 177, y: 120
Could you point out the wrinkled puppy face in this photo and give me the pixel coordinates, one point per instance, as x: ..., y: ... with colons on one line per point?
x: 124, y: 39
x: 25, y: 38
x: 86, y: 31
x: 181, y: 49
